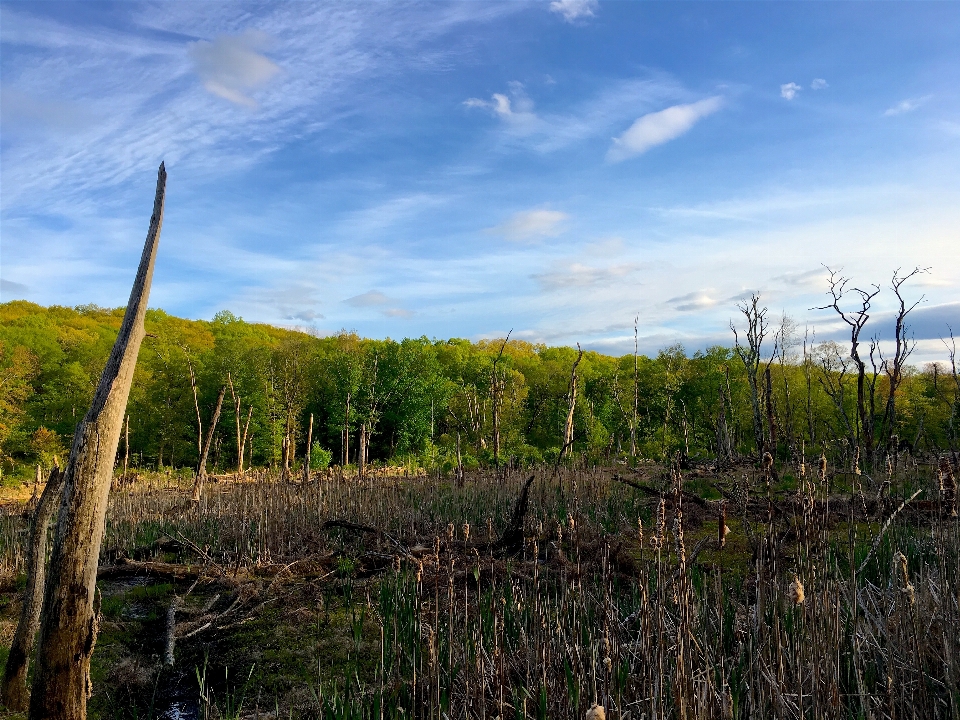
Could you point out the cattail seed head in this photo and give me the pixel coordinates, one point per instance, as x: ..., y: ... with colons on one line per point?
x: 609, y: 664
x: 640, y: 530
x: 466, y: 532
x: 802, y: 470
x: 795, y: 591
x: 823, y: 467
x: 856, y: 462
x: 596, y: 712
x: 906, y: 588
x: 767, y: 462
x: 451, y: 532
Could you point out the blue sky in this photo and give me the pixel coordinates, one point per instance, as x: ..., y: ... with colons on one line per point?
x: 555, y: 168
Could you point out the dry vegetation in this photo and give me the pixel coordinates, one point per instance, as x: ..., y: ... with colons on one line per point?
x: 408, y: 596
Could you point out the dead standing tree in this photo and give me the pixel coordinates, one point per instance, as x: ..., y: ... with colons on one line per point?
x: 13, y: 692
x: 856, y: 320
x: 202, y: 466
x: 750, y: 357
x: 571, y: 407
x: 69, y: 620
x: 903, y: 348
x: 496, y: 397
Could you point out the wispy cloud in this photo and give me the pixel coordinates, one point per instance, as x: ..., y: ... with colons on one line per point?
x: 231, y: 65
x: 818, y: 84
x: 579, y: 275
x: 659, y: 127
x: 905, y: 106
x: 516, y: 109
x: 10, y: 289
x: 398, y: 313
x: 573, y: 10
x: 697, y: 300
x: 789, y: 91
x: 371, y: 298
x: 531, y: 225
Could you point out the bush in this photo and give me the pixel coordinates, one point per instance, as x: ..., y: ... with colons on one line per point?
x: 320, y: 457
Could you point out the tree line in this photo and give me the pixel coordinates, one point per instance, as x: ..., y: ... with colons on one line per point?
x: 282, y: 395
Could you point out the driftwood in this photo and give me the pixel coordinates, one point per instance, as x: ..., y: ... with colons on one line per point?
x: 14, y: 692
x: 69, y: 621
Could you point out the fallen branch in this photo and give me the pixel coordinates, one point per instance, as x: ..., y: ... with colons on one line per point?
x: 883, y: 531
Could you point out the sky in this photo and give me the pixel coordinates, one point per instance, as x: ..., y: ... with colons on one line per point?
x: 556, y: 168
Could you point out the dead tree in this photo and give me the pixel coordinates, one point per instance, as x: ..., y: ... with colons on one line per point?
x: 756, y: 318
x: 496, y: 396
x: 856, y: 320
x: 202, y: 467
x: 14, y: 692
x: 903, y: 348
x: 69, y: 620
x: 571, y: 406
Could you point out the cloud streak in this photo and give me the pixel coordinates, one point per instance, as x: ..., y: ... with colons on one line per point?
x: 573, y: 10
x: 531, y: 225
x: 660, y: 127
x: 230, y: 65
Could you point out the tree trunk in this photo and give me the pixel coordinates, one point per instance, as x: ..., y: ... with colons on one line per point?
x: 68, y: 624
x: 771, y: 414
x: 202, y: 468
x: 243, y: 442
x: 306, y: 472
x: 14, y: 692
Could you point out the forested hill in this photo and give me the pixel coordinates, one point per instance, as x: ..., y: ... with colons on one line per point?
x: 424, y: 401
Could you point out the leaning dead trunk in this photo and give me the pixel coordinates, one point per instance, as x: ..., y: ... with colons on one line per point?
x: 68, y: 624
x: 14, y: 692
x: 202, y: 469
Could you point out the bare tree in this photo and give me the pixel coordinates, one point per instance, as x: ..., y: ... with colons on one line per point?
x: 955, y: 405
x: 69, y: 620
x: 856, y: 320
x: 14, y: 692
x: 903, y: 348
x: 496, y: 395
x: 571, y: 406
x: 756, y: 318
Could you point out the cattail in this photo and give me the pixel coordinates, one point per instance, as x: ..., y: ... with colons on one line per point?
x: 767, y: 462
x: 466, y: 532
x: 948, y: 487
x: 451, y: 532
x: 722, y: 528
x: 856, y: 461
x: 823, y: 467
x: 596, y: 712
x: 906, y: 588
x: 609, y: 664
x: 795, y: 591
x: 559, y: 532
x: 802, y: 470
x: 640, y: 530
x: 571, y: 522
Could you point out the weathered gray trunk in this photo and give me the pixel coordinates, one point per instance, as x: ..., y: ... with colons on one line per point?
x: 68, y: 624
x: 14, y: 691
x: 202, y: 469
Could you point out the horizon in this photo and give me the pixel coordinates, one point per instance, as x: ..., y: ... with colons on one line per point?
x: 461, y: 169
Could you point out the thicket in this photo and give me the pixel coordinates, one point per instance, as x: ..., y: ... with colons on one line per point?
x: 451, y: 404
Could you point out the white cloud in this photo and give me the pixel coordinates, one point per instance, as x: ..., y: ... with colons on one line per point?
x: 230, y: 65
x: 371, y: 298
x: 818, y: 84
x: 789, y: 90
x: 515, y: 108
x: 531, y: 225
x: 398, y: 312
x: 580, y: 275
x: 905, y: 106
x: 698, y: 300
x: 574, y: 9
x: 659, y: 127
